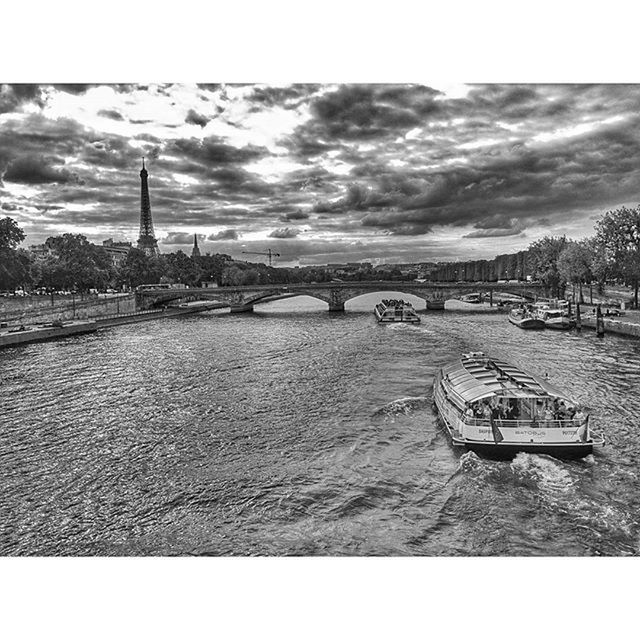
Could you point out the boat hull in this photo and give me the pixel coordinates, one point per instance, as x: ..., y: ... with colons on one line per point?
x: 435, y: 305
x: 561, y: 326
x: 527, y: 323
x: 508, y: 451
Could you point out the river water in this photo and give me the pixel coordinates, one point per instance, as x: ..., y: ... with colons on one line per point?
x: 293, y: 431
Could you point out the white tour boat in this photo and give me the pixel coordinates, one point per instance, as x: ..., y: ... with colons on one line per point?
x: 395, y: 311
x: 494, y: 408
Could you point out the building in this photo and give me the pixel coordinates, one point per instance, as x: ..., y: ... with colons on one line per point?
x: 41, y: 251
x: 118, y: 251
x: 147, y: 241
x: 195, y: 252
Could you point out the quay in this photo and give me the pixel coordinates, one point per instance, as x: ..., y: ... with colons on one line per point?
x: 48, y: 331
x: 10, y: 337
x: 627, y: 325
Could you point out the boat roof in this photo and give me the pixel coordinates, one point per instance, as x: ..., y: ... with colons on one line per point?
x: 476, y: 376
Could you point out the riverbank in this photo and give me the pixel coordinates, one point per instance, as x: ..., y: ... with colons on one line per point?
x: 12, y: 336
x: 626, y: 325
x: 50, y: 331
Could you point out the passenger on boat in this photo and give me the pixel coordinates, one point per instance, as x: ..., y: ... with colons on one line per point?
x: 513, y: 413
x: 579, y: 415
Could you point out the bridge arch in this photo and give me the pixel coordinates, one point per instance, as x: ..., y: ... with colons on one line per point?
x: 418, y: 299
x: 270, y: 297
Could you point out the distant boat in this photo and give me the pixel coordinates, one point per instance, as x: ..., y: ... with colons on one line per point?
x: 395, y: 311
x: 473, y: 298
x: 494, y: 408
x: 524, y: 319
x: 435, y: 305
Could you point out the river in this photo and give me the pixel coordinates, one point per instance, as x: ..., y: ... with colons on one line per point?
x: 293, y: 431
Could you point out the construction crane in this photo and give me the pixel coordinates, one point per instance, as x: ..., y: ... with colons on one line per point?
x: 268, y: 253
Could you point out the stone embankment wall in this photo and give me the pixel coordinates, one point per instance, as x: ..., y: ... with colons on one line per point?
x: 32, y: 309
x: 614, y: 326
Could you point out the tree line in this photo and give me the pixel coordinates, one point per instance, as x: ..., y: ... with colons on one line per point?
x: 74, y: 263
x: 611, y: 254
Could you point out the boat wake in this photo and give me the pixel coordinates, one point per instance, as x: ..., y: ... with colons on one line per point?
x: 539, y: 485
x: 403, y: 406
x: 543, y: 472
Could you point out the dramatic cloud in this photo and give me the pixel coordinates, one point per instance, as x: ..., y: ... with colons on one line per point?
x: 193, y: 117
x: 284, y: 233
x: 110, y: 113
x: 294, y: 215
x: 177, y: 237
x: 34, y: 170
x: 378, y: 172
x: 227, y: 234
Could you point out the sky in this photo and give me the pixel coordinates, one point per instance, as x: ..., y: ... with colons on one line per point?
x: 321, y: 173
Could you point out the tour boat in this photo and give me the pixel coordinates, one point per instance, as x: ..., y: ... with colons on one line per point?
x: 524, y: 319
x: 494, y: 408
x: 555, y: 319
x: 395, y: 311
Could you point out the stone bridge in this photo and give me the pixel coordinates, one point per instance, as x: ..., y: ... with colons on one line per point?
x: 335, y: 294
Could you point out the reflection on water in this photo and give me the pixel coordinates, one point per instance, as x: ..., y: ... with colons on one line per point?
x: 301, y: 432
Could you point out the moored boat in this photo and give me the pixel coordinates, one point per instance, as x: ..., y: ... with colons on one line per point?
x: 555, y: 319
x: 524, y: 319
x: 494, y: 408
x: 473, y: 298
x: 435, y: 305
x: 395, y: 311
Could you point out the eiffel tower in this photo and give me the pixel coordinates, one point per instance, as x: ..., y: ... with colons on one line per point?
x: 147, y: 241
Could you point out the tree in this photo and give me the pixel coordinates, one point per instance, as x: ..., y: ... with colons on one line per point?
x: 139, y: 268
x: 574, y: 264
x: 11, y: 235
x: 14, y: 264
x: 183, y: 269
x: 618, y: 234
x: 78, y: 264
x: 543, y: 261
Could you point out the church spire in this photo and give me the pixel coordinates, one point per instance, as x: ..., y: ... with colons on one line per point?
x: 195, y: 252
x: 147, y: 241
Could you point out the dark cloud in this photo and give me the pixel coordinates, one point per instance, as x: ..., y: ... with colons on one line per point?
x: 227, y: 234
x: 294, y: 215
x: 36, y: 170
x: 354, y: 112
x: 213, y: 151
x: 495, y: 233
x: 193, y: 117
x: 76, y: 89
x: 112, y: 114
x: 287, y: 97
x: 12, y: 96
x: 286, y: 232
x: 178, y: 237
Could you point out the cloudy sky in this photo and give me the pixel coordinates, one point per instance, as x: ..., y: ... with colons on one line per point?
x: 321, y: 172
